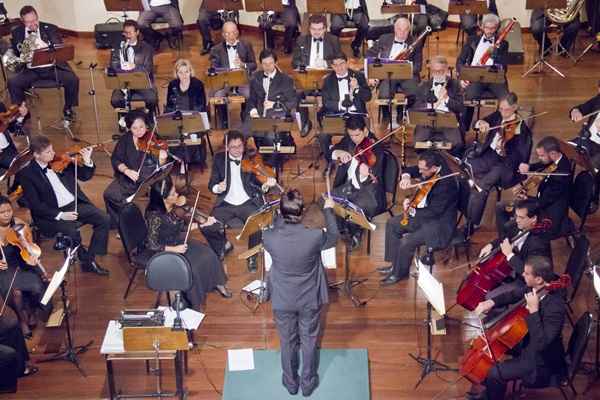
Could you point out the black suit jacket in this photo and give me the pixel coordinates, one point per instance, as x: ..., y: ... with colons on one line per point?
x: 331, y: 95
x: 49, y: 33
x: 219, y: 59
x: 383, y: 47
x: 281, y: 85
x: 537, y: 243
x: 39, y: 194
x: 543, y: 344
x: 455, y: 97
x: 144, y: 58
x: 499, y: 55
x: 195, y: 92
x: 589, y: 106
x: 217, y: 174
x: 301, y: 56
x: 553, y: 192
x: 297, y: 280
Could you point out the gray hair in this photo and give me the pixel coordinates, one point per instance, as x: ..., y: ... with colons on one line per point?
x: 493, y: 18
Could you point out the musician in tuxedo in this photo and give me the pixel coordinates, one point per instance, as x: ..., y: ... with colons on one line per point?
x: 442, y: 94
x: 357, y: 13
x: 524, y: 236
x: 569, y: 31
x: 553, y: 191
x: 211, y: 20
x: 589, y: 137
x: 289, y: 18
x: 8, y: 150
x: 50, y: 196
x: 472, y: 52
x: 542, y: 353
x: 154, y: 9
x: 431, y: 15
x: 238, y: 192
x: 389, y: 46
x: 469, y: 22
x: 297, y: 284
x: 430, y: 222
x: 45, y: 35
x: 355, y: 180
x: 133, y: 55
x: 495, y: 162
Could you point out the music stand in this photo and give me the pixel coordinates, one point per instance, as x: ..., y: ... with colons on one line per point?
x: 541, y: 63
x: 397, y: 70
x: 262, y: 127
x: 310, y: 80
x: 124, y: 6
x: 408, y: 9
x: 468, y: 7
x: 225, y: 79
x: 578, y: 153
x: 325, y: 7
x: 350, y: 213
x: 433, y: 119
x: 128, y: 81
x: 18, y: 163
x: 158, y: 175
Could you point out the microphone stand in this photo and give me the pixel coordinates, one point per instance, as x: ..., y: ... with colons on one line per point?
x: 92, y: 93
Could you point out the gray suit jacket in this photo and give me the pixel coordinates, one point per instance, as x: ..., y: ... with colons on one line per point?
x: 297, y: 279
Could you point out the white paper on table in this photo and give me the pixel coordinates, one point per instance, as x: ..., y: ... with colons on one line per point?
x: 191, y: 318
x: 328, y: 258
x: 113, y: 339
x: 255, y: 286
x: 205, y: 120
x: 596, y: 280
x: 433, y: 289
x: 240, y: 359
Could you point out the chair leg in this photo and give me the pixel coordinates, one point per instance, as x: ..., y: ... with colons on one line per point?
x: 368, y: 242
x: 131, y: 279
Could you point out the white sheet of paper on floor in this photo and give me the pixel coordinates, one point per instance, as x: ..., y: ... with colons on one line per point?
x: 254, y: 286
x: 240, y: 359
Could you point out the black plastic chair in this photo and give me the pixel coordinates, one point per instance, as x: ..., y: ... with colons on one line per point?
x: 133, y: 232
x: 167, y: 271
x: 576, y: 265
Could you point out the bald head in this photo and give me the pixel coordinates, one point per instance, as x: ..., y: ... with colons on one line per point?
x: 401, y: 29
x: 230, y: 32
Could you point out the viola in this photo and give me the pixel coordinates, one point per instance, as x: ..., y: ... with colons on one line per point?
x: 63, y: 160
x: 529, y: 186
x: 254, y: 164
x: 490, y: 271
x: 503, y: 335
x: 421, y: 194
x: 20, y: 236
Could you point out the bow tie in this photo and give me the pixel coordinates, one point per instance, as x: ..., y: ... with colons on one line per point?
x: 267, y: 77
x: 45, y: 170
x: 490, y: 41
x: 317, y: 39
x: 439, y: 83
x: 399, y: 42
x: 237, y: 162
x: 232, y: 46
x: 30, y: 32
x: 342, y: 78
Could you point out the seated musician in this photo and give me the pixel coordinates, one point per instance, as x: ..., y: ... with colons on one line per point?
x: 495, y: 162
x: 429, y: 221
x: 542, y: 354
x: 358, y: 179
x: 569, y: 31
x: 133, y: 55
x: 389, y: 46
x: 589, y: 137
x: 42, y: 35
x: 289, y: 18
x: 50, y: 196
x: 314, y: 50
x: 8, y: 150
x: 471, y: 54
x: 186, y: 93
x: 524, y: 236
x: 442, y: 94
x: 29, y: 279
x: 166, y: 232
x: 232, y: 54
x: 154, y: 9
x: 211, y: 20
x: 132, y: 161
x: 553, y: 190
x: 344, y: 91
x: 238, y: 192
x: 432, y: 15
x: 469, y: 22
x: 356, y: 12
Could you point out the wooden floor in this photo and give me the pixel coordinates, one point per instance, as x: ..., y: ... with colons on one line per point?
x: 390, y: 326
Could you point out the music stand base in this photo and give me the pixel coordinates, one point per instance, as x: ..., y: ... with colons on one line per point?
x: 540, y: 67
x: 70, y: 355
x: 429, y: 366
x: 346, y: 288
x: 63, y: 125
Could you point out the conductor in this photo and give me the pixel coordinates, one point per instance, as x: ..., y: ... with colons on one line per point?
x: 298, y: 287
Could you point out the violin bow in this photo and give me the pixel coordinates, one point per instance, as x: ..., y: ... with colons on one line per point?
x: 588, y: 115
x: 76, y: 170
x: 11, y: 283
x: 519, y: 119
x: 375, y: 143
x: 226, y: 156
x: 147, y: 147
x: 189, y: 228
x: 432, y: 180
x: 545, y: 173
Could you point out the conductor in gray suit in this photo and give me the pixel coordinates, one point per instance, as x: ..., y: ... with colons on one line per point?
x: 298, y: 287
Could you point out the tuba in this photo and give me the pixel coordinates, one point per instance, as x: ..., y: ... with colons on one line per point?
x: 563, y: 16
x: 14, y: 63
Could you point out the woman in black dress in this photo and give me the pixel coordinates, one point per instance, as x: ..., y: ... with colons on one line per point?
x: 126, y: 160
x: 186, y: 93
x: 30, y: 281
x: 166, y: 232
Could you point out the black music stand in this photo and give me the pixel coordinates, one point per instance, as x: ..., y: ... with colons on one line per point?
x: 482, y: 74
x: 124, y: 6
x: 398, y: 70
x: 128, y: 81
x: 264, y: 6
x: 435, y: 120
x: 325, y: 7
x: 541, y: 62
x: 158, y: 175
x: 467, y: 7
x: 261, y: 127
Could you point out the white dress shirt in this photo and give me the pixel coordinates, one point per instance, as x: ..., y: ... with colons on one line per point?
x: 352, y: 4
x: 237, y: 194
x: 594, y: 133
x: 343, y: 90
x: 316, y: 54
x: 62, y: 194
x: 481, y: 49
x: 158, y: 3
x: 232, y: 55
x: 397, y: 48
x: 3, y: 140
x: 441, y: 106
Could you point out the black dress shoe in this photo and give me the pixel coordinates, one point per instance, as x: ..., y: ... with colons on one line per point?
x: 252, y: 264
x: 307, y: 391
x: 226, y: 293
x: 391, y: 280
x: 306, y: 129
x: 292, y: 389
x: 385, y: 270
x: 206, y: 49
x: 92, y: 266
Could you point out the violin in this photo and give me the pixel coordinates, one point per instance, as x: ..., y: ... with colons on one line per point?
x: 150, y: 144
x: 530, y: 185
x: 504, y: 334
x: 8, y: 116
x: 364, y: 154
x: 254, y: 164
x: 62, y: 161
x: 185, y: 212
x: 421, y: 194
x: 489, y: 272
x: 20, y: 236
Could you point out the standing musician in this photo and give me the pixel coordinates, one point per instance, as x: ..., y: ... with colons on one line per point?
x: 289, y: 18
x: 389, y: 46
x: 542, y: 354
x: 25, y: 293
x: 297, y: 284
x: 468, y: 22
x: 43, y: 35
x: 359, y: 179
x: 14, y: 125
x: 238, y: 191
x: 357, y: 13
x: 133, y: 55
x: 344, y: 91
x: 441, y: 93
x: 523, y: 237
x: 589, y: 136
x: 58, y: 205
x: 154, y: 9
x: 476, y: 48
x: 428, y: 219
x: 133, y: 159
x: 186, y: 93
x: 552, y: 190
x: 495, y: 162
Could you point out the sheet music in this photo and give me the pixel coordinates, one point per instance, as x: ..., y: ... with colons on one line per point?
x: 205, y: 120
x: 57, y: 278
x: 596, y: 279
x: 191, y: 318
x: 433, y: 289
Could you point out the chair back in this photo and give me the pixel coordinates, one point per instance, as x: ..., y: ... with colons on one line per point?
x: 578, y: 342
x: 581, y: 195
x: 132, y: 229
x: 577, y: 263
x: 167, y: 271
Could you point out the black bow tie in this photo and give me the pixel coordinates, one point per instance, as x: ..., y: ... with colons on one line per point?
x: 232, y: 46
x: 439, y: 83
x: 267, y: 77
x: 30, y: 32
x: 398, y: 42
x: 237, y: 162
x: 342, y: 78
x: 317, y: 39
x: 488, y: 40
x: 44, y: 170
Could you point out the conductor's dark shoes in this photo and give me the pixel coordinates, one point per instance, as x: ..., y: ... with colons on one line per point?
x: 307, y: 391
x: 391, y: 280
x: 92, y: 266
x: 385, y: 270
x: 252, y: 264
x: 292, y: 388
